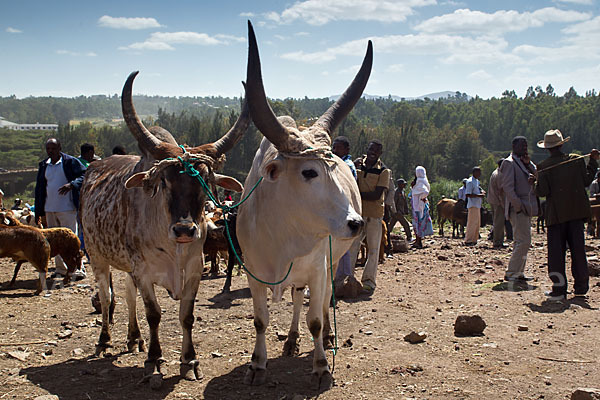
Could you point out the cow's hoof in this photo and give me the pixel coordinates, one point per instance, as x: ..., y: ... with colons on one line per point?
x: 101, y: 348
x: 255, y: 376
x: 323, y: 381
x: 136, y: 344
x: 153, y: 366
x: 190, y: 371
x: 290, y: 348
x: 328, y: 341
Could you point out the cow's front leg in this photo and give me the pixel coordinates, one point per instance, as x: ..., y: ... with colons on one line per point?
x: 256, y: 374
x: 314, y: 319
x: 190, y: 367
x: 134, y: 336
x: 152, y: 365
x: 290, y: 347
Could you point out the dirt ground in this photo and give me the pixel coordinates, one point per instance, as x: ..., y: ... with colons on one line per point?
x: 531, y: 348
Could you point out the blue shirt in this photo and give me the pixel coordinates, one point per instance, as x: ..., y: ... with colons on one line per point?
x: 348, y: 160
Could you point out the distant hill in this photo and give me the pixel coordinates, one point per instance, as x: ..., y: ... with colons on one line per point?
x: 432, y: 96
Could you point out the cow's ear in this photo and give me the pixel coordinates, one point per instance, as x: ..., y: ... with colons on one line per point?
x: 228, y: 182
x: 272, y: 170
x: 135, y: 180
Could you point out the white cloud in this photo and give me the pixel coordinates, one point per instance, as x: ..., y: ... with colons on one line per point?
x: 350, y: 70
x: 13, y: 30
x: 165, y: 40
x: 583, y: 44
x: 247, y: 14
x: 128, y: 23
x: 395, y: 68
x: 480, y: 74
x: 583, y: 2
x: 469, y: 21
x: 450, y: 49
x: 226, y: 39
x: 320, y: 12
x: 75, y: 53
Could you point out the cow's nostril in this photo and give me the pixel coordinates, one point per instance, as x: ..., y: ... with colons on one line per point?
x: 184, y: 230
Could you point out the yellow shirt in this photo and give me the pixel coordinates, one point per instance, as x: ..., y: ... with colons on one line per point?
x: 368, y: 180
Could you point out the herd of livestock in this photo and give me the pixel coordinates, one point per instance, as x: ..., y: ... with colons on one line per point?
x: 145, y: 216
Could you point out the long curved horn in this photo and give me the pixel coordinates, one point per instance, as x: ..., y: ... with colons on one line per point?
x: 236, y: 132
x: 342, y: 107
x: 262, y: 115
x: 145, y: 138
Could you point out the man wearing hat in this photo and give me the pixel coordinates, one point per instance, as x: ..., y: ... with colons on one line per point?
x: 401, y: 210
x: 562, y: 179
x: 520, y: 204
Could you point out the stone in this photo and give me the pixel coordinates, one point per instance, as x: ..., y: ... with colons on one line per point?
x: 281, y: 335
x: 67, y: 333
x: 522, y: 328
x: 469, y: 325
x: 442, y: 258
x: 47, y: 397
x: 415, y: 337
x: 216, y: 354
x: 19, y: 355
x: 78, y: 352
x: 586, y: 394
x: 478, y: 282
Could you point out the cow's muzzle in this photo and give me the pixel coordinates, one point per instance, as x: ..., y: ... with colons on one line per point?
x: 356, y: 225
x: 185, y: 232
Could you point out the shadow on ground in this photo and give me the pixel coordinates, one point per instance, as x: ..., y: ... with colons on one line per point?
x: 96, y: 378
x: 556, y: 307
x: 286, y: 377
x: 514, y: 287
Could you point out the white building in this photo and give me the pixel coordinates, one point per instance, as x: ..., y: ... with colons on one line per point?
x: 27, y: 127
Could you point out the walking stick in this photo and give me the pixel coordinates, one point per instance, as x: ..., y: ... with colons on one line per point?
x: 563, y: 162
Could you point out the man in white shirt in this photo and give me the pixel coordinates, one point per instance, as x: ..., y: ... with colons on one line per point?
x: 57, y: 195
x: 461, y: 191
x: 474, y: 195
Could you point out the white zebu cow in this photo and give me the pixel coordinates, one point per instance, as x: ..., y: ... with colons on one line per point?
x: 307, y: 194
x: 144, y: 217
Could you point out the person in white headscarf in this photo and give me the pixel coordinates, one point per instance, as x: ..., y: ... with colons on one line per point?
x: 420, y: 205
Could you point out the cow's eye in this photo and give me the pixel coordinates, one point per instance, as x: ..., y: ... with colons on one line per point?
x: 309, y: 173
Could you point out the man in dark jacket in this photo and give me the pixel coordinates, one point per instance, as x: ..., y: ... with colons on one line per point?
x: 57, y: 188
x: 562, y: 179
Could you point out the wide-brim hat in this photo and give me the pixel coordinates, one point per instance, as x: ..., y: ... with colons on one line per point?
x: 553, y: 138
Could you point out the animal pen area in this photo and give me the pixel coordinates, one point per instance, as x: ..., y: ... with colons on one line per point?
x: 530, y: 348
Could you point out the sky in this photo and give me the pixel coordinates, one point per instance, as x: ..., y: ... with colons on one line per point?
x: 308, y: 48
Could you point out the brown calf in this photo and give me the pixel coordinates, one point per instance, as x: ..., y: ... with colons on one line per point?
x: 23, y: 243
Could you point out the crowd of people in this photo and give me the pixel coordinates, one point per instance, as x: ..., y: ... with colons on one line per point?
x: 513, y: 195
x: 514, y: 192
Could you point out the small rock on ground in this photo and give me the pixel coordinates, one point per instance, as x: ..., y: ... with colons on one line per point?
x: 586, y: 394
x: 469, y: 325
x: 415, y: 337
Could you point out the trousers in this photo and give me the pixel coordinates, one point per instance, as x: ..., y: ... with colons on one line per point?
x: 521, y: 224
x: 571, y: 232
